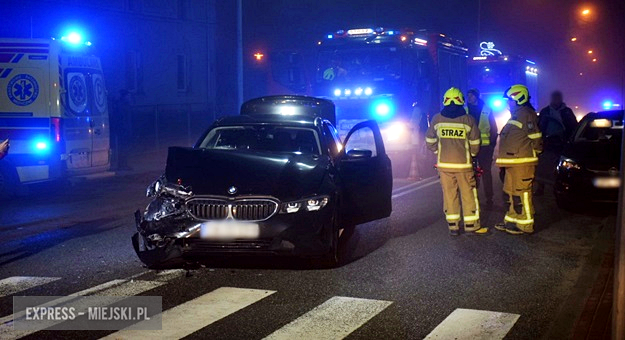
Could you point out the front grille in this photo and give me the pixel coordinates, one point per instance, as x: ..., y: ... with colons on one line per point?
x: 207, y: 209
x: 253, y: 210
x: 242, y: 209
x: 203, y: 246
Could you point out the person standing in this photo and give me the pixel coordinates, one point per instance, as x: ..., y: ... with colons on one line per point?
x: 485, y: 119
x: 520, y: 143
x: 454, y: 137
x: 557, y: 123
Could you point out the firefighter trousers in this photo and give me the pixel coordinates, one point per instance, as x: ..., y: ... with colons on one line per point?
x: 460, y: 199
x: 517, y: 188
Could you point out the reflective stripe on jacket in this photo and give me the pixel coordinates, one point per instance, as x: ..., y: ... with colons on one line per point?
x: 487, y: 126
x: 455, y: 141
x: 521, y: 139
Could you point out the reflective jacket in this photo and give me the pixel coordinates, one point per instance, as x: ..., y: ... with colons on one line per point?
x: 455, y: 139
x: 520, y: 140
x: 486, y: 122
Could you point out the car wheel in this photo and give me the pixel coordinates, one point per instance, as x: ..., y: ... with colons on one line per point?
x: 8, y: 181
x: 332, y: 258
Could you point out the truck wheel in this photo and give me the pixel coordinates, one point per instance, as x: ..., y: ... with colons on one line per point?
x: 8, y: 180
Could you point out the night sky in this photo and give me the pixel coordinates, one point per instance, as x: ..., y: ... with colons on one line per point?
x: 539, y: 30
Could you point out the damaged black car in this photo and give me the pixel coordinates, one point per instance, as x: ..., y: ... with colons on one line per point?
x: 274, y: 180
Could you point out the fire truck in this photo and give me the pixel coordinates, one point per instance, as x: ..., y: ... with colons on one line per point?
x: 492, y: 72
x: 394, y: 76
x: 53, y: 109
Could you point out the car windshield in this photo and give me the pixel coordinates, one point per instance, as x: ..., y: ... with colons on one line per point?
x: 373, y: 63
x: 600, y: 129
x: 267, y: 138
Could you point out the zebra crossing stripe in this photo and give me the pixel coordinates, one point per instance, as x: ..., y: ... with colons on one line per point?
x: 191, y: 316
x: 468, y: 324
x: 111, y: 288
x: 333, y: 319
x: 14, y: 284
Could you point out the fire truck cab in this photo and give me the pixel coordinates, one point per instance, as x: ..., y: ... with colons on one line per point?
x: 53, y: 109
x: 396, y: 77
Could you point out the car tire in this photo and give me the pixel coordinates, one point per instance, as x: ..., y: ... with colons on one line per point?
x: 332, y: 258
x: 8, y: 180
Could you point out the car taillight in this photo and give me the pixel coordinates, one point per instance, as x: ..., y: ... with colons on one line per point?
x: 56, y: 128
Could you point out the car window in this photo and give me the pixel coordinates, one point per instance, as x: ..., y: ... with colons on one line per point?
x: 600, y: 129
x: 362, y: 139
x: 333, y: 139
x: 263, y: 138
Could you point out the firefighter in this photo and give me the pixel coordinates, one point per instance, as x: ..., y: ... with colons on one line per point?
x: 488, y: 134
x: 455, y: 137
x: 519, y: 146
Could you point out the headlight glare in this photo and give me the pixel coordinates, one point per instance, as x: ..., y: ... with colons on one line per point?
x: 310, y: 204
x: 568, y: 164
x: 316, y: 204
x: 292, y: 207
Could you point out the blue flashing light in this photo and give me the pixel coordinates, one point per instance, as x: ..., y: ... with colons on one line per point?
x: 41, y: 146
x: 382, y: 109
x: 72, y: 38
x: 497, y: 104
x: 337, y: 92
x: 531, y: 62
x: 330, y: 36
x: 607, y: 105
x: 390, y: 32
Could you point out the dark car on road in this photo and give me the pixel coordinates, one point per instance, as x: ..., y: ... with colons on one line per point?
x: 588, y: 170
x: 275, y: 179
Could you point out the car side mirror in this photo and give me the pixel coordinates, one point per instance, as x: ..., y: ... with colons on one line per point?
x: 359, y: 153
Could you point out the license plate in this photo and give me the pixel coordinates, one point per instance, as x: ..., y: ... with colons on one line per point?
x: 228, y: 230
x: 607, y: 182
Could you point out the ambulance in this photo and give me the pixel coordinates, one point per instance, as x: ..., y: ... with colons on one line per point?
x: 53, y: 109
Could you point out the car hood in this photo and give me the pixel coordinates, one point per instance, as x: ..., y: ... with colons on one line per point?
x: 595, y: 155
x: 214, y: 172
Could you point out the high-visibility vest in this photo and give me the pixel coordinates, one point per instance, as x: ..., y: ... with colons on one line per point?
x: 484, y: 125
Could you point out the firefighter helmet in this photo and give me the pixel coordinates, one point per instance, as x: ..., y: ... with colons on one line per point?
x: 518, y: 93
x: 453, y: 96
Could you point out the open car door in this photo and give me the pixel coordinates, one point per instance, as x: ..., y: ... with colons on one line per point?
x: 366, y: 174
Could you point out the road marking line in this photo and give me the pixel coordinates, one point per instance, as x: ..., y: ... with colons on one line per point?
x: 474, y: 324
x: 111, y: 288
x: 191, y: 316
x: 169, y: 274
x: 415, y: 189
x: 333, y: 319
x: 14, y: 284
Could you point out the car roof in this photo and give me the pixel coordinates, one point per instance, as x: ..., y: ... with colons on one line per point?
x: 269, y: 119
x: 612, y: 114
x: 290, y: 107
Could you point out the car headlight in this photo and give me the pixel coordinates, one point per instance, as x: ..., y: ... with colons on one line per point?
x: 310, y: 204
x: 162, y: 207
x: 568, y: 164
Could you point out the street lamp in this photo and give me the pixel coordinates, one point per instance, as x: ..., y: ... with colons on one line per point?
x: 589, y: 51
x: 594, y: 60
x: 585, y: 12
x: 574, y: 39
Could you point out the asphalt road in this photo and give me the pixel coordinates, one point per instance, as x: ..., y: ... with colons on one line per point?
x: 402, y: 278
